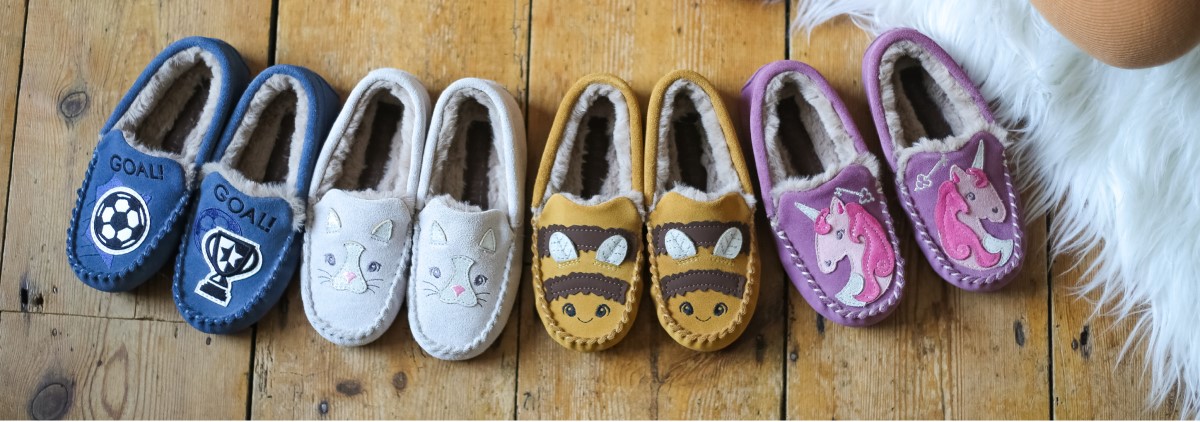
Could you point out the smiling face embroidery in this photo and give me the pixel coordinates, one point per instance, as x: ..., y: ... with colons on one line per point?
x: 586, y: 300
x: 704, y: 298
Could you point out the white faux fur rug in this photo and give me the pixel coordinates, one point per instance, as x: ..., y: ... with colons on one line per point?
x: 1116, y: 154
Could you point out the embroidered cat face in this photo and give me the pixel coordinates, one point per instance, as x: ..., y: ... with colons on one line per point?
x: 457, y: 280
x: 705, y: 296
x: 350, y: 265
x: 588, y: 300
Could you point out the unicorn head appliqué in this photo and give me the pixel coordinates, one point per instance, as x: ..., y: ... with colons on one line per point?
x: 847, y: 230
x: 964, y: 200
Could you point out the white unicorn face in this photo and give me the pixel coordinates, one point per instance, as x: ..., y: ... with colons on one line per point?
x: 833, y: 243
x: 983, y: 202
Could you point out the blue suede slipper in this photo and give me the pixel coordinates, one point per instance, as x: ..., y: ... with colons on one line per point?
x: 239, y: 253
x: 126, y: 220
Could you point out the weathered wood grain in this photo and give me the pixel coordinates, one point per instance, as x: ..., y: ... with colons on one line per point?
x: 60, y: 366
x: 80, y: 58
x: 945, y: 353
x: 648, y: 375
x: 12, y: 37
x: 297, y: 374
x: 1091, y: 378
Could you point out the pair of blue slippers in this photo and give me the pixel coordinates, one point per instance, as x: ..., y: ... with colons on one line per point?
x: 183, y: 163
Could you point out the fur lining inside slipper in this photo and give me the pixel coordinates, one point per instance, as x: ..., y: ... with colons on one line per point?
x: 693, y: 157
x: 264, y: 154
x: 375, y: 152
x: 921, y: 99
x: 592, y: 163
x: 467, y: 160
x: 174, y: 111
x: 807, y: 142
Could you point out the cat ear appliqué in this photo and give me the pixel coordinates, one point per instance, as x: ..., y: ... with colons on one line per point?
x: 729, y: 245
x: 561, y: 248
x: 612, y: 250
x: 679, y: 245
x: 488, y: 242
x: 382, y: 232
x: 334, y: 223
x: 437, y: 236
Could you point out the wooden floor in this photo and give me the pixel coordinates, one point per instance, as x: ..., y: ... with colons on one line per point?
x: 1029, y: 351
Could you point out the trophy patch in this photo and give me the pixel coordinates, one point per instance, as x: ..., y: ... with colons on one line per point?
x: 230, y: 258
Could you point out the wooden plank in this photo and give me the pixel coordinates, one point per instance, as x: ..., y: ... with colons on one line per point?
x: 296, y: 373
x: 1091, y: 379
x: 86, y: 57
x: 60, y: 366
x: 945, y: 353
x: 648, y: 375
x: 12, y: 40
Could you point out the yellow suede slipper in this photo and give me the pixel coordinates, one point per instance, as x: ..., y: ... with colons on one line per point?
x: 703, y: 258
x: 588, y: 216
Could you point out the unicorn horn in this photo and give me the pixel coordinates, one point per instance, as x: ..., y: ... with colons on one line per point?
x: 809, y: 211
x: 978, y: 156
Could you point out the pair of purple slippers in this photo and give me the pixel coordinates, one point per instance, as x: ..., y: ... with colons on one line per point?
x: 822, y: 188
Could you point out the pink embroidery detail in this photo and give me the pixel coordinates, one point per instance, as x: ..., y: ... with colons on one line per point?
x: 860, y: 237
x: 960, y: 240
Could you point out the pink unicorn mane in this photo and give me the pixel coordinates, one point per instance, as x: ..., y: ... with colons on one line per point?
x: 878, y: 259
x: 958, y: 240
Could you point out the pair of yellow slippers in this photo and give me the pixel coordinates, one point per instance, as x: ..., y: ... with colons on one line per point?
x: 602, y: 198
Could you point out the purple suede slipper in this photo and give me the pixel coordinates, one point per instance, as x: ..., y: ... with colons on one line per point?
x: 948, y: 155
x: 821, y: 191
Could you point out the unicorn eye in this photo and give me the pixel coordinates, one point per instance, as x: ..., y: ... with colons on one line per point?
x: 686, y: 308
x: 602, y: 311
x: 720, y: 309
x: 569, y: 309
x: 329, y: 259
x: 971, y: 195
x: 480, y: 279
x: 841, y: 233
x: 435, y: 272
x: 373, y: 266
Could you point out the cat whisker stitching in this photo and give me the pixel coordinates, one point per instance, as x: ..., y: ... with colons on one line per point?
x: 327, y: 273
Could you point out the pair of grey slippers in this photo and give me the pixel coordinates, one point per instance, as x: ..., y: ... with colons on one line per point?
x: 412, y: 202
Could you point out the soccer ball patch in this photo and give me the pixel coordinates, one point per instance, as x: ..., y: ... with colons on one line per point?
x: 120, y: 221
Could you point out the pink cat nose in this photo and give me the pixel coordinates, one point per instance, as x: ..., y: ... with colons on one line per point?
x: 458, y: 290
x: 349, y: 276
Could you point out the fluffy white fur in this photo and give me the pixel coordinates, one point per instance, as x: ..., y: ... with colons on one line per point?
x: 566, y: 176
x: 158, y: 107
x: 1114, y: 151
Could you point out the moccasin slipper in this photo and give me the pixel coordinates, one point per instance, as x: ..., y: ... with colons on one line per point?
x: 467, y: 260
x: 130, y: 209
x: 588, y: 217
x: 948, y: 154
x: 700, y: 230
x: 241, y: 249
x: 356, y: 243
x: 821, y: 191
